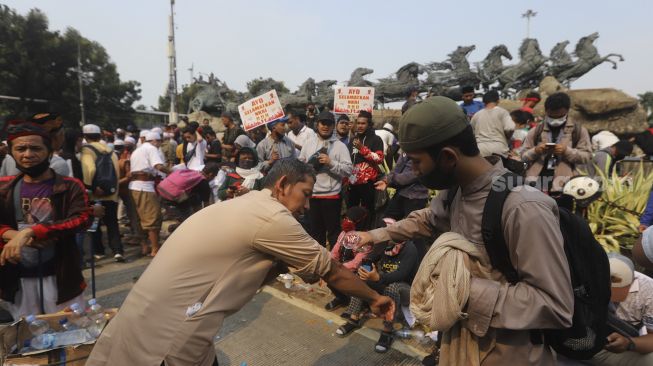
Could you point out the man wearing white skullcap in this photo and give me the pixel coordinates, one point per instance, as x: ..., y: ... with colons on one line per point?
x: 141, y: 137
x: 632, y: 293
x: 145, y: 161
x: 643, y: 249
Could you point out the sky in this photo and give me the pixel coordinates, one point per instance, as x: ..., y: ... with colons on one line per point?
x: 291, y: 40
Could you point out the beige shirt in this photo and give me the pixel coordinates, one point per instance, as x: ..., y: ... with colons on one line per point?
x: 490, y: 127
x: 497, y: 310
x: 218, y: 258
x: 87, y: 159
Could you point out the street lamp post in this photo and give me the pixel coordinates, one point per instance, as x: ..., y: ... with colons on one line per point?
x: 528, y: 15
x: 172, y: 56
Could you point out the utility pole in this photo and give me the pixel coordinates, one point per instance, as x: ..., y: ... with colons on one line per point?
x: 191, y: 69
x: 80, y: 79
x: 528, y: 15
x: 172, y: 56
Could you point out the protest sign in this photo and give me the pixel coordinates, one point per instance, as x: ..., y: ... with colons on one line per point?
x: 352, y: 100
x: 260, y: 110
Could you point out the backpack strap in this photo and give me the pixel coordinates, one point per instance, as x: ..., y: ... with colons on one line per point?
x: 18, y: 210
x: 96, y: 151
x: 575, y: 134
x: 451, y: 194
x: 492, y: 229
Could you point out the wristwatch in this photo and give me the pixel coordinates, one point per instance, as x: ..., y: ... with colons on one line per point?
x: 631, y: 345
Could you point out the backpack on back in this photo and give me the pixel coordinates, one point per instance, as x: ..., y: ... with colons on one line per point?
x: 105, y: 173
x: 175, y: 187
x: 589, y: 269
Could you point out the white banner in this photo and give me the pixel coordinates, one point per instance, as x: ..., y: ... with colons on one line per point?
x: 351, y: 100
x: 260, y: 110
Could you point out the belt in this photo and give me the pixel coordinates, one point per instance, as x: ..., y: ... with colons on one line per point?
x: 142, y: 176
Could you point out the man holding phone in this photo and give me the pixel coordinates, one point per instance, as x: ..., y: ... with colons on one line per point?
x: 555, y: 148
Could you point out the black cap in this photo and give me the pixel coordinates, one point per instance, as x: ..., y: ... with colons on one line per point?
x: 326, y: 118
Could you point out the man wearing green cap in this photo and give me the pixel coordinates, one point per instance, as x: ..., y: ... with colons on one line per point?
x: 440, y: 143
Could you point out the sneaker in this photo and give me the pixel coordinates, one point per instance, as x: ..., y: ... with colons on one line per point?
x: 119, y: 258
x: 98, y: 257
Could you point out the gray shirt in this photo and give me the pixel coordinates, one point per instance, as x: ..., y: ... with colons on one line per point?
x: 284, y: 147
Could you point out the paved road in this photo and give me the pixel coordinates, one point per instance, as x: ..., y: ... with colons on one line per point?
x: 273, y: 329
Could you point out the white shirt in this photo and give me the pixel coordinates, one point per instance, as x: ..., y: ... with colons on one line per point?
x: 305, y: 134
x: 144, y: 159
x: 490, y: 127
x: 387, y: 137
x: 197, y: 161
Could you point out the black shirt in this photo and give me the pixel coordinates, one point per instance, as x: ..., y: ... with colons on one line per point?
x: 215, y: 147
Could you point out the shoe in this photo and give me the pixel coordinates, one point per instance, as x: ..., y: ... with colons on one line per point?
x: 119, y: 258
x: 98, y: 257
x: 334, y: 304
x: 346, y: 329
x: 384, y: 343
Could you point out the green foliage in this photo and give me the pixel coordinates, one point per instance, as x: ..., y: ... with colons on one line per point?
x: 183, y: 99
x: 36, y: 63
x: 613, y: 227
x: 260, y: 86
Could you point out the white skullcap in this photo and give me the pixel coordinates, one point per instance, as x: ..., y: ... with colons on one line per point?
x: 168, y: 135
x: 130, y: 140
x: 152, y: 136
x: 388, y: 126
x: 143, y: 133
x: 157, y: 129
x: 118, y: 142
x: 89, y: 129
x: 647, y: 242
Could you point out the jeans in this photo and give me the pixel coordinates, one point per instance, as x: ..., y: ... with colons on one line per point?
x: 324, y: 219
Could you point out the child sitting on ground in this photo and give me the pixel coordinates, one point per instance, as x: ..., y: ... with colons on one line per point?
x: 356, y: 218
x: 389, y: 273
x: 522, y: 120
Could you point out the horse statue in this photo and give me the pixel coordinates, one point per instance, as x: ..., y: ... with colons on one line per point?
x: 358, y: 77
x: 528, y: 72
x: 324, y: 92
x: 587, y: 58
x: 301, y: 97
x: 492, y: 66
x: 211, y: 97
x: 393, y: 89
x: 459, y: 72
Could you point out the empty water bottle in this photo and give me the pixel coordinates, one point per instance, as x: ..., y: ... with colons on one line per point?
x: 96, y: 327
x: 66, y: 325
x: 78, y: 317
x: 43, y: 341
x: 409, y: 333
x: 27, y: 347
x: 37, y: 326
x: 71, y: 337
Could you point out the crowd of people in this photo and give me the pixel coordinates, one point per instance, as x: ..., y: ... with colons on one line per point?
x: 316, y: 177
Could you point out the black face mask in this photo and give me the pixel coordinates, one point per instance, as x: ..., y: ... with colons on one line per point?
x: 437, y: 178
x: 246, y: 164
x: 36, y: 170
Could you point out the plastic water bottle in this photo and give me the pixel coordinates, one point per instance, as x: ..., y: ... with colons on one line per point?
x: 409, y: 333
x: 96, y: 314
x: 66, y: 325
x: 27, y: 347
x: 71, y: 337
x: 37, y: 326
x: 96, y: 220
x: 43, y: 341
x: 78, y: 317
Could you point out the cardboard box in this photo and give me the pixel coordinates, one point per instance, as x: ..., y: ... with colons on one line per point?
x: 13, y: 336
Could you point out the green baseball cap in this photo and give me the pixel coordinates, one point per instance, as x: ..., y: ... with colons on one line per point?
x: 431, y: 122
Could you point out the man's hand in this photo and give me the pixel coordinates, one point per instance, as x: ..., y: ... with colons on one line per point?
x: 11, y: 251
x: 273, y: 158
x: 242, y: 190
x: 642, y: 228
x: 617, y: 343
x: 357, y: 143
x: 381, y: 185
x: 383, y: 306
x: 372, y: 275
x: 98, y: 211
x: 324, y: 159
x: 541, y: 148
x: 559, y: 149
x: 98, y: 191
x: 365, y: 239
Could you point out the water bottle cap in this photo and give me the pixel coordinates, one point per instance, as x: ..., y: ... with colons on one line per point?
x: 63, y: 321
x: 92, y: 302
x: 75, y: 306
x: 30, y: 318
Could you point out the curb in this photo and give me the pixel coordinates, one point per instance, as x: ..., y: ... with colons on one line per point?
x: 368, y: 333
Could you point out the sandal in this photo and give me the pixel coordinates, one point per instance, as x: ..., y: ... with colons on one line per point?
x: 384, y: 343
x: 346, y: 329
x: 334, y: 304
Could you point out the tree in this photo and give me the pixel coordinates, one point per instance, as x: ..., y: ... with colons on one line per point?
x: 646, y: 100
x: 259, y: 86
x: 36, y: 63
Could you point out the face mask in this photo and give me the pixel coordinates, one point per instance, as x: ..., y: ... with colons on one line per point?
x: 36, y: 170
x: 438, y: 179
x: 555, y: 122
x: 246, y: 164
x: 347, y: 225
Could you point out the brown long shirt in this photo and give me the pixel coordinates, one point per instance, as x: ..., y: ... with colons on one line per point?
x: 497, y: 310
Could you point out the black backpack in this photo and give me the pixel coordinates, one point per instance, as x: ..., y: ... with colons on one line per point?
x: 105, y: 173
x: 589, y: 269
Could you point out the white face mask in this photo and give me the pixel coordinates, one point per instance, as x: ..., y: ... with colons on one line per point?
x: 556, y: 122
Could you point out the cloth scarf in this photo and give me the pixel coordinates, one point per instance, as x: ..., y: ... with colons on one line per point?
x: 440, y: 291
x: 250, y: 175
